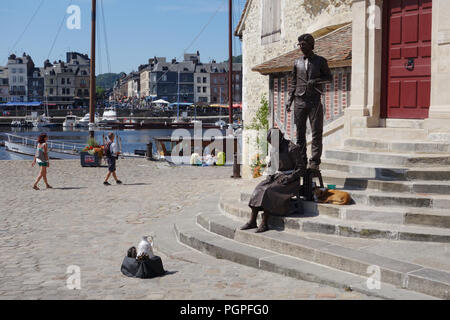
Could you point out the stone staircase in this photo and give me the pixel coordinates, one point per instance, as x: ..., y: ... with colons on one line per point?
x: 399, y: 222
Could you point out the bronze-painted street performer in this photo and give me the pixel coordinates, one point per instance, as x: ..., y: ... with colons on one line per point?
x: 272, y: 196
x: 309, y: 73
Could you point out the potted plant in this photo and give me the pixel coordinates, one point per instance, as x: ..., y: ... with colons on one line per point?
x: 257, y: 166
x: 255, y: 137
x: 92, y: 154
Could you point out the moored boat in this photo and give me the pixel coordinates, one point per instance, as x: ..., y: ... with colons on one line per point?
x: 109, y: 117
x: 43, y: 121
x: 84, y: 122
x: 56, y: 149
x: 70, y: 121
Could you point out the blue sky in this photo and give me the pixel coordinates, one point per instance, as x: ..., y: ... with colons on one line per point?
x: 136, y: 30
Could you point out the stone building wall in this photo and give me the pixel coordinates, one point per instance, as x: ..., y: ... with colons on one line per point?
x: 297, y: 17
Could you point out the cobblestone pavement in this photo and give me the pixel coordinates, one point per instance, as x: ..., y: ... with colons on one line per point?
x: 83, y: 223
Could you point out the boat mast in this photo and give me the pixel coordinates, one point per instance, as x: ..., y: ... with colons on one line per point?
x: 236, y: 166
x: 92, y: 73
x: 230, y: 63
x: 178, y: 95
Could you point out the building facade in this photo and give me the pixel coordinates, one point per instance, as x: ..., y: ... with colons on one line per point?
x: 202, y: 92
x: 173, y: 81
x: 145, y: 78
x: 67, y: 83
x: 4, y: 85
x: 19, y: 70
x: 219, y: 82
x: 36, y: 85
x: 133, y: 86
x: 59, y: 82
x: 80, y: 65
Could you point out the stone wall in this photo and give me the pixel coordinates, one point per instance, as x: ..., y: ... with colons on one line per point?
x: 297, y: 17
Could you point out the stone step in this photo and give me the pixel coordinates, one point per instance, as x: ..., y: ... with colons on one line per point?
x: 396, y: 272
x: 389, y: 199
x: 388, y: 158
x: 396, y: 133
x: 387, y: 172
x: 222, y: 247
x: 402, y: 123
x: 393, y: 215
x: 407, y: 146
x: 428, y: 217
x: 396, y: 199
x: 330, y: 221
x: 359, y: 182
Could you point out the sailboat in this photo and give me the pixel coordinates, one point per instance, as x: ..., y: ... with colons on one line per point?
x: 44, y: 120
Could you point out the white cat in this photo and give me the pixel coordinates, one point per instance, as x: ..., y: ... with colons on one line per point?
x: 145, y: 247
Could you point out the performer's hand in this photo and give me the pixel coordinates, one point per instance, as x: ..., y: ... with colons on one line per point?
x: 288, y: 106
x: 285, y: 180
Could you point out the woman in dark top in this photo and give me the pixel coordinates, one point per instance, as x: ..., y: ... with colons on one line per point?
x: 272, y: 196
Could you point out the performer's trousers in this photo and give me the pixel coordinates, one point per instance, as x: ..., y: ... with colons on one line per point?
x: 313, y: 110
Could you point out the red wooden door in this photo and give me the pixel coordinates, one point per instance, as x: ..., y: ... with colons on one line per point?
x: 408, y: 58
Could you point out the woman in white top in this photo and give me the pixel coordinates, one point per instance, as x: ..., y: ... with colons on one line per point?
x: 41, y: 157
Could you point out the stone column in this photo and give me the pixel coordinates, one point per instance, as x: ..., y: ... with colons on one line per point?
x: 438, y: 123
x: 364, y: 110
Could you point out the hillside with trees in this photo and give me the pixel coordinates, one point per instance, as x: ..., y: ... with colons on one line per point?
x: 106, y: 80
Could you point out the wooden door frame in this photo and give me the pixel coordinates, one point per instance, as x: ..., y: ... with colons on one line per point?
x: 384, y: 60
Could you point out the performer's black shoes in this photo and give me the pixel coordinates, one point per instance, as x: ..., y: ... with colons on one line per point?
x: 262, y: 228
x: 249, y: 225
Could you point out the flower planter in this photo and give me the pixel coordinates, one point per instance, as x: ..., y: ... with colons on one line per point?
x: 89, y: 160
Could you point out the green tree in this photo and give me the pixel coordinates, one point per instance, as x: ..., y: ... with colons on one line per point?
x: 261, y: 119
x: 99, y: 92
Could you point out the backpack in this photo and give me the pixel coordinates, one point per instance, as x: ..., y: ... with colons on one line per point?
x: 108, y: 149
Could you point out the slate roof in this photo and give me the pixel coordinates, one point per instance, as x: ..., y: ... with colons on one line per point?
x: 237, y: 31
x: 335, y: 46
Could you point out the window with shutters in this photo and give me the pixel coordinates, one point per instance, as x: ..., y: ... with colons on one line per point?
x: 271, y: 21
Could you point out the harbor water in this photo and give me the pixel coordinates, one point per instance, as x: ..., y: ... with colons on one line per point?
x: 131, y: 139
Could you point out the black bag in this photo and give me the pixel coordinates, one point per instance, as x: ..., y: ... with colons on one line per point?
x: 108, y: 149
x: 144, y: 269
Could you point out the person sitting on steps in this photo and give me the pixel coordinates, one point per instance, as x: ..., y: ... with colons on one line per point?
x: 273, y: 195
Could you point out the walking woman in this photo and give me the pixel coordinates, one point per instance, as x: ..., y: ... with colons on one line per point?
x: 41, y: 157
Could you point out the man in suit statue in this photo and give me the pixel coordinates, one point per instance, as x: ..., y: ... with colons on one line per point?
x: 309, y: 73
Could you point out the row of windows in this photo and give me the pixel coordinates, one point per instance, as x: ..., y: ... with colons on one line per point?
x: 216, y: 90
x: 19, y: 70
x: 20, y: 78
x: 68, y: 81
x: 66, y: 91
x: 17, y: 88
